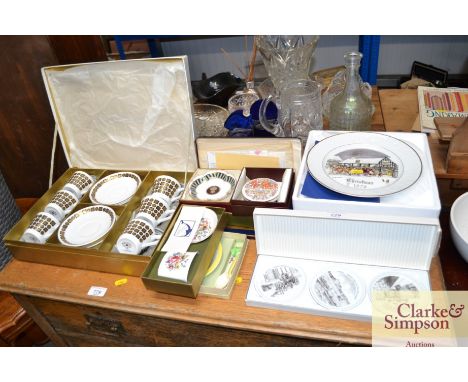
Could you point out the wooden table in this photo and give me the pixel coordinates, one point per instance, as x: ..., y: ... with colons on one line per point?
x: 56, y: 298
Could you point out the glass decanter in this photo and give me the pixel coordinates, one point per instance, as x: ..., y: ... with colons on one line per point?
x: 351, y: 109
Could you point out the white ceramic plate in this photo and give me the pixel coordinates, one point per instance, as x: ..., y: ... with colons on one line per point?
x: 115, y: 189
x: 207, y: 226
x: 261, y: 190
x: 281, y: 283
x: 215, y: 185
x: 86, y: 226
x: 337, y: 290
x: 364, y: 164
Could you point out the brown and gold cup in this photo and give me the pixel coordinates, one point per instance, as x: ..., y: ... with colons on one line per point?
x: 41, y: 228
x: 61, y: 204
x: 154, y: 209
x: 79, y: 183
x: 167, y: 187
x: 138, y: 235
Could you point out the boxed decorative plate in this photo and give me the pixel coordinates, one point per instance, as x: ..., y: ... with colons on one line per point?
x: 262, y: 187
x: 371, y: 173
x: 122, y: 124
x: 221, y: 161
x: 316, y: 263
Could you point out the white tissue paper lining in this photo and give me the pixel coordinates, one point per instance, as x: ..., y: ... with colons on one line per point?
x: 125, y: 115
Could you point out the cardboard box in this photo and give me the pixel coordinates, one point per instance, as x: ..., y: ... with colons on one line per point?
x: 198, y: 268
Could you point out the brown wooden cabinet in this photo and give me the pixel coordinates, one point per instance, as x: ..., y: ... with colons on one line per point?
x: 129, y: 315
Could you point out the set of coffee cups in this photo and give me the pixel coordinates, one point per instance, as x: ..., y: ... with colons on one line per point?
x: 64, y: 201
x: 144, y: 230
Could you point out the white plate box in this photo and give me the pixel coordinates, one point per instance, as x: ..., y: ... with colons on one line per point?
x: 365, y: 247
x: 419, y: 200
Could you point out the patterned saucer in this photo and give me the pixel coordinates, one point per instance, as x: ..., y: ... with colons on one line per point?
x: 207, y: 226
x: 261, y: 190
x: 115, y: 189
x: 215, y: 185
x: 86, y: 226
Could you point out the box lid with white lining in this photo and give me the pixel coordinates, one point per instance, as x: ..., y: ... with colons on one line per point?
x: 126, y: 115
x: 349, y: 238
x: 419, y: 200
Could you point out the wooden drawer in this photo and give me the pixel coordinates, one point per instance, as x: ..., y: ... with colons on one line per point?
x: 82, y: 325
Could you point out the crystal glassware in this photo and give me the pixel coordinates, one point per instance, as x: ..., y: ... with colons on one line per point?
x: 286, y: 57
x: 209, y: 120
x: 351, y: 109
x: 301, y: 110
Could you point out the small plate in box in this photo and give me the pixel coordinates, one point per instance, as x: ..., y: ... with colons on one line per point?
x: 86, y: 226
x: 115, y: 189
x: 281, y: 283
x: 261, y: 190
x: 393, y: 282
x: 336, y: 290
x: 207, y: 226
x: 215, y: 185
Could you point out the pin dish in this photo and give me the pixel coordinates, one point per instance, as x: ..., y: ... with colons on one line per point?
x: 215, y: 185
x: 261, y: 190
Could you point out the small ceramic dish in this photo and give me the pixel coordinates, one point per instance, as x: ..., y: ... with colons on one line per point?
x: 337, y: 290
x: 207, y: 226
x: 87, y: 226
x: 115, y: 189
x: 215, y: 185
x: 261, y: 190
x: 281, y: 283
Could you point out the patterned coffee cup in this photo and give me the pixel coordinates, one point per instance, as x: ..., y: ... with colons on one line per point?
x: 61, y: 204
x: 41, y: 228
x: 79, y: 183
x: 138, y: 235
x: 154, y: 209
x: 168, y: 186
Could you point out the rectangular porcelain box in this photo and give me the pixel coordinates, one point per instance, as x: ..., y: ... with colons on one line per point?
x: 100, y: 258
x: 363, y: 246
x: 198, y: 268
x: 419, y: 200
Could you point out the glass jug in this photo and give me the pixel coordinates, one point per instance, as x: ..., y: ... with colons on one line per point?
x: 301, y: 110
x: 351, y: 109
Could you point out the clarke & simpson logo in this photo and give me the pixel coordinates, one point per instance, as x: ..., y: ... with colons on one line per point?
x: 419, y: 319
x: 408, y: 316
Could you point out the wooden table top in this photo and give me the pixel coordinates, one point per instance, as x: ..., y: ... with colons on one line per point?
x: 72, y: 285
